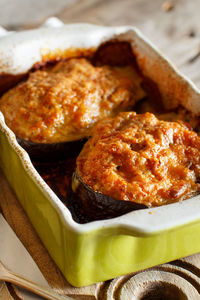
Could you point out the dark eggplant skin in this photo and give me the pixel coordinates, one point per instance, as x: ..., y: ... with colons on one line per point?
x: 52, y: 152
x: 89, y: 205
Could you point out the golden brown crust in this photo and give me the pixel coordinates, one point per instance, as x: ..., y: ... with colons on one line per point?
x: 139, y: 158
x: 63, y: 103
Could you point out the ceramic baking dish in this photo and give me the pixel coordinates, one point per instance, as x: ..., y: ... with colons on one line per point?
x: 100, y: 250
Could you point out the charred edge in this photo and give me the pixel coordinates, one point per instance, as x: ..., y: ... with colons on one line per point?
x: 8, y: 81
x: 115, y: 53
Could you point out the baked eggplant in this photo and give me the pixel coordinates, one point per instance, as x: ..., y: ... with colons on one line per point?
x: 134, y: 161
x: 58, y: 105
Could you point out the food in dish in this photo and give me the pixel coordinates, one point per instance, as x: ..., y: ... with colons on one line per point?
x: 138, y: 159
x: 60, y: 104
x: 54, y: 110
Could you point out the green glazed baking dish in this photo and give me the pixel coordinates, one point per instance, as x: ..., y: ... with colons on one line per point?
x: 100, y: 250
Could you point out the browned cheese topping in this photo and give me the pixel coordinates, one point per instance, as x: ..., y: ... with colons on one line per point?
x: 139, y: 158
x: 64, y: 102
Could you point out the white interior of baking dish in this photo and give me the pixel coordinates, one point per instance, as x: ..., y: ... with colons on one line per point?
x: 20, y: 51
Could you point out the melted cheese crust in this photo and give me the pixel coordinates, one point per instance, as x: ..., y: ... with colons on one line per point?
x: 64, y: 102
x: 139, y: 158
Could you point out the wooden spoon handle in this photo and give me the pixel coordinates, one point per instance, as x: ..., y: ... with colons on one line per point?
x: 45, y: 292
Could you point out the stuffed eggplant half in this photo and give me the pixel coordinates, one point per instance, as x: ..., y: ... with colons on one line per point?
x: 134, y: 161
x: 53, y: 111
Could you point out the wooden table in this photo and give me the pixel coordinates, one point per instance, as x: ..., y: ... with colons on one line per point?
x: 173, y: 27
